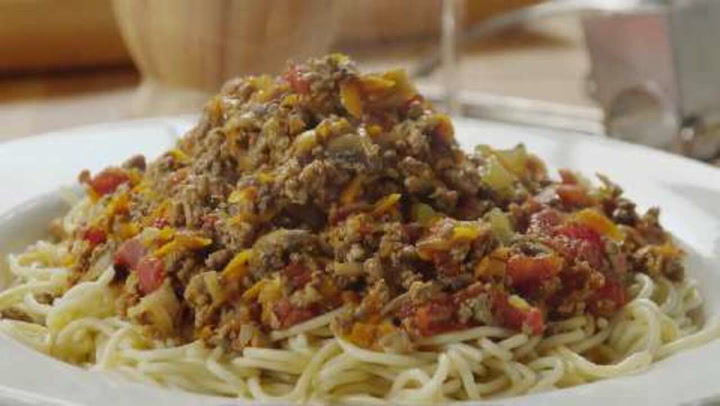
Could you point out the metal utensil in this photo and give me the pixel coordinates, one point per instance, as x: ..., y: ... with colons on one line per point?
x: 656, y: 74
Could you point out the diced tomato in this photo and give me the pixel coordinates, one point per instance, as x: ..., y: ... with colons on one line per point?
x: 573, y: 195
x: 435, y: 317
x: 608, y: 298
x: 523, y: 269
x: 108, y: 180
x: 580, y: 232
x: 151, y: 273
x: 297, y: 274
x: 288, y: 315
x: 445, y: 264
x: 585, y: 243
x: 567, y: 177
x: 282, y: 310
x: 517, y: 318
x: 534, y: 321
x: 129, y: 254
x: 473, y: 290
x: 532, y: 205
x: 297, y: 83
x: 95, y: 236
x: 545, y: 220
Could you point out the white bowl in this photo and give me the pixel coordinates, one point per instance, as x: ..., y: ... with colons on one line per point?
x: 688, y: 192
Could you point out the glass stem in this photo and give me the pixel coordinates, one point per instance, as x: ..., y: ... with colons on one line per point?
x: 451, y: 26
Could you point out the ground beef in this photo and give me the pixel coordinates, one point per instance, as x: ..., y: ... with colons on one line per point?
x: 273, y: 249
x: 323, y: 187
x: 218, y: 259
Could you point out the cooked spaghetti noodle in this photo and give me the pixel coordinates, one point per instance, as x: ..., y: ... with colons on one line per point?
x: 523, y: 285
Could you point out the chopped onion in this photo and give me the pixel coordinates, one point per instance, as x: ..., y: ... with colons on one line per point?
x: 159, y: 309
x: 499, y: 179
x: 500, y: 225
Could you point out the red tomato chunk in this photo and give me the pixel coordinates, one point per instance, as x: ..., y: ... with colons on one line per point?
x: 95, y: 236
x: 108, y: 180
x: 150, y: 274
x: 129, y: 254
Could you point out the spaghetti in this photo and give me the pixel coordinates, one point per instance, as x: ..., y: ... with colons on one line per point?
x: 311, y: 364
x: 320, y: 237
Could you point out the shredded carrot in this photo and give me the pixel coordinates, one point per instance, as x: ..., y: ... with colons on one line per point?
x: 367, y: 334
x: 465, y: 233
x: 118, y: 204
x: 385, y: 204
x: 352, y: 190
x: 166, y: 234
x: 374, y: 130
x: 159, y: 212
x: 363, y: 334
x: 599, y: 223
x: 253, y: 292
x: 244, y: 194
x: 238, y: 267
x: 376, y: 83
x: 290, y: 100
x: 488, y: 267
x: 128, y: 230
x: 247, y: 217
x: 182, y: 242
x: 351, y: 99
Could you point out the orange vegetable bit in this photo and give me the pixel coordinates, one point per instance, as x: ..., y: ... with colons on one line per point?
x: 238, y: 267
x: 385, y: 204
x: 599, y: 223
x: 351, y: 98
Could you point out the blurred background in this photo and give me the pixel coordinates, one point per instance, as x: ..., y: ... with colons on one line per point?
x: 642, y: 70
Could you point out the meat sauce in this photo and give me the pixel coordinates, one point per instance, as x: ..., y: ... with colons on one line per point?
x: 324, y: 187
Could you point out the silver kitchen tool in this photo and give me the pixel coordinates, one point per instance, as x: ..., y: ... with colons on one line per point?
x: 656, y: 74
x: 586, y: 120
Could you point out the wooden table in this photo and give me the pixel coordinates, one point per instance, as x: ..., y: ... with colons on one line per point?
x: 545, y: 62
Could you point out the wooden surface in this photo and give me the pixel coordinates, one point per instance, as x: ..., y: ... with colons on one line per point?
x: 373, y: 21
x: 545, y: 62
x: 37, y: 35
x: 41, y: 35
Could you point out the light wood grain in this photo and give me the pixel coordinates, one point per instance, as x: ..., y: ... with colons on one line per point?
x: 58, y: 34
x: 546, y: 62
x: 384, y: 21
x: 201, y: 44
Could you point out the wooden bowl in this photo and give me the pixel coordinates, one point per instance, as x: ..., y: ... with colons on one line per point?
x: 200, y: 43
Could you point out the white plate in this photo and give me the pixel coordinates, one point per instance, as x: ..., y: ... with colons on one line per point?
x: 687, y: 191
